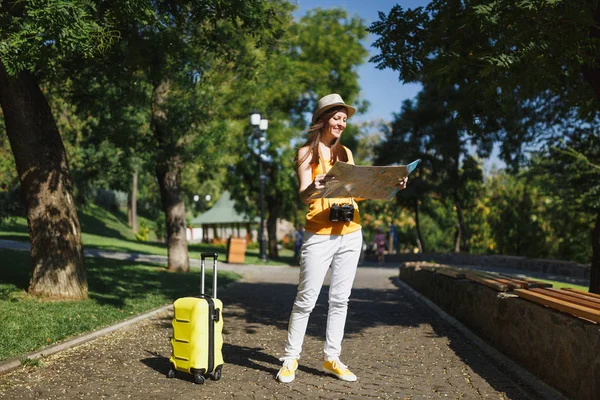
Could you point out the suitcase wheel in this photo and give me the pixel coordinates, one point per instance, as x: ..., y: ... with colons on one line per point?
x: 172, y: 372
x: 217, y: 374
x: 198, y: 378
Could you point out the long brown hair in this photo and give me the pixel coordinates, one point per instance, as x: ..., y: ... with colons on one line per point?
x: 337, y: 150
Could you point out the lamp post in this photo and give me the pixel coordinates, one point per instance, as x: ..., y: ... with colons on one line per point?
x: 260, y: 128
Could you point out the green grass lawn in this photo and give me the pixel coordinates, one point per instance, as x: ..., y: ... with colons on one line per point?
x: 117, y: 290
x: 560, y: 285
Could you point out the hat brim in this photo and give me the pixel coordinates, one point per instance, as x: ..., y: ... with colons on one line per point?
x: 322, y: 110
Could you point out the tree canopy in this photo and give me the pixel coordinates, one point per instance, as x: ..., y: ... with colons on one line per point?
x: 520, y: 68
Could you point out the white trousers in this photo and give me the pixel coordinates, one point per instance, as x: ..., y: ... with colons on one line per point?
x: 318, y: 253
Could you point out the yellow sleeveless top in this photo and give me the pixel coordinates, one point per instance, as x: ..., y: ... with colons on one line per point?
x: 317, y: 218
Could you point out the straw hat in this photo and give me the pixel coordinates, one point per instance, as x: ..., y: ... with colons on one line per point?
x: 330, y: 101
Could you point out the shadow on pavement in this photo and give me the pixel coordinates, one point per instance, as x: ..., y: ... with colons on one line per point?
x: 157, y: 362
x: 473, y: 356
x: 271, y: 304
x: 161, y: 365
x: 250, y: 357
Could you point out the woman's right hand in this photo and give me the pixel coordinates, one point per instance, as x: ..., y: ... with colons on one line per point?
x: 321, y: 180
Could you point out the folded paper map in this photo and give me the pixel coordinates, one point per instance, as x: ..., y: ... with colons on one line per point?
x: 366, y: 182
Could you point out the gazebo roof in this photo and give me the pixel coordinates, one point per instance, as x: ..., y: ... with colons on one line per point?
x: 223, y: 212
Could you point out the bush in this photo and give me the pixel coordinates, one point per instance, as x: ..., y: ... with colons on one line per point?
x: 111, y: 199
x: 143, y: 233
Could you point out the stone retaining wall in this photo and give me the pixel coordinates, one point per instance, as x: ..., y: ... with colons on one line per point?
x: 562, y: 350
x: 553, y: 267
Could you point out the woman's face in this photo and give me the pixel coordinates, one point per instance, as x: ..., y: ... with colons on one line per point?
x: 336, y: 125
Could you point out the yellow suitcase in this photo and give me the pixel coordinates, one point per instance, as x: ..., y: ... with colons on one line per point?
x: 197, y: 340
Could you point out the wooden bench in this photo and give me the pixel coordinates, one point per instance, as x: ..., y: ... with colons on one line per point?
x: 572, y: 301
x: 499, y: 282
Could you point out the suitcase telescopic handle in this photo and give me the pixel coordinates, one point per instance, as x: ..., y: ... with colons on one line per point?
x: 204, y: 256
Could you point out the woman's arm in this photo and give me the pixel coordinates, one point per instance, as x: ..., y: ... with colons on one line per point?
x: 304, y: 171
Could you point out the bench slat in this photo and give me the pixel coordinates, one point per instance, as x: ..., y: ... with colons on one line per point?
x: 508, y: 282
x: 587, y: 294
x: 539, y: 284
x: 487, y: 282
x: 580, y: 295
x: 564, y: 306
x: 525, y: 284
x: 531, y: 283
x: 559, y: 294
x: 451, y: 272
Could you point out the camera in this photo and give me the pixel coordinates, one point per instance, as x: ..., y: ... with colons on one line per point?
x: 341, y: 212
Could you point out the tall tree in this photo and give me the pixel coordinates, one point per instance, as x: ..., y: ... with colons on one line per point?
x: 190, y: 48
x: 541, y: 57
x: 319, y: 55
x: 36, y: 36
x: 183, y: 65
x: 431, y: 129
x: 570, y: 165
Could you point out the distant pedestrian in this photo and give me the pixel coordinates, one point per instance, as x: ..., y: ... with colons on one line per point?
x: 298, y: 238
x: 333, y: 239
x: 379, y: 242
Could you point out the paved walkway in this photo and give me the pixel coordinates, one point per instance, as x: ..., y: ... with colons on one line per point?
x: 398, y: 347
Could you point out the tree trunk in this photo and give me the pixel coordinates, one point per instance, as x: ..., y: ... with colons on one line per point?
x: 462, y: 238
x: 273, y: 211
x: 420, y: 241
x: 54, y: 231
x: 591, y: 71
x: 132, y: 206
x: 174, y: 209
x: 457, y: 238
x: 168, y: 173
x: 595, y: 267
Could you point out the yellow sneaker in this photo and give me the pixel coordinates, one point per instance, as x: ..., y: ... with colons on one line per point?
x: 287, y: 372
x: 337, y: 368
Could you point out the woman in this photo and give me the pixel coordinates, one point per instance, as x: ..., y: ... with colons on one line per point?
x: 336, y: 244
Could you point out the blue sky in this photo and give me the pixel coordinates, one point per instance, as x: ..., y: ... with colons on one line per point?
x: 380, y: 87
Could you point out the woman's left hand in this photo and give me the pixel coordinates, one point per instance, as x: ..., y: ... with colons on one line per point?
x: 402, y: 183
